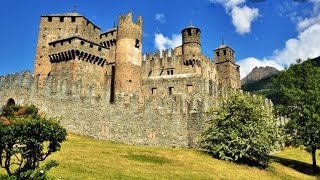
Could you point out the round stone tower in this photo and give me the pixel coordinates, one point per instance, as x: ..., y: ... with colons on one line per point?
x: 128, y: 55
x: 191, y: 47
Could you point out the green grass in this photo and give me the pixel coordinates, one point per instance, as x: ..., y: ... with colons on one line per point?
x: 87, y: 158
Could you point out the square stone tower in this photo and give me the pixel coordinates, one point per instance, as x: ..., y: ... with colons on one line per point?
x: 228, y: 72
x: 57, y: 27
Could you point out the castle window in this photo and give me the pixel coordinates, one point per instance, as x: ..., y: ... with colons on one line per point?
x: 189, y: 32
x: 49, y: 19
x: 99, y: 49
x: 170, y: 90
x: 61, y: 19
x: 91, y: 45
x: 137, y: 44
x: 149, y: 73
x: 170, y: 72
x: 82, y: 42
x: 189, y: 88
x: 69, y: 41
x: 224, y: 52
x: 161, y: 72
x: 218, y: 54
x: 61, y: 43
x: 73, y: 19
x: 153, y: 91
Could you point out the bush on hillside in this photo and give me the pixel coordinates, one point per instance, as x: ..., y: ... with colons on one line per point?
x: 27, y: 139
x: 242, y: 130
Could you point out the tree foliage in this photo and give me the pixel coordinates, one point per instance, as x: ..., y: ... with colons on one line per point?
x: 26, y: 139
x: 242, y: 129
x: 299, y: 99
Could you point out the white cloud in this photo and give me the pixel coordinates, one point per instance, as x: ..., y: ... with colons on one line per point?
x: 242, y: 16
x: 307, y: 22
x: 160, y: 17
x: 314, y: 17
x: 305, y: 46
x: 161, y: 42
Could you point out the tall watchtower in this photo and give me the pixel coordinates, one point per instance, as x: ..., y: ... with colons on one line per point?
x: 128, y: 55
x: 191, y: 47
x: 56, y: 27
x: 228, y: 73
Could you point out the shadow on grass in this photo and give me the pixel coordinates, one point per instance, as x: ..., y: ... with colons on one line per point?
x: 147, y: 158
x: 302, y: 167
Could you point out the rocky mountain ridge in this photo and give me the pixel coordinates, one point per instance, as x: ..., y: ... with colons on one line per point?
x: 259, y: 73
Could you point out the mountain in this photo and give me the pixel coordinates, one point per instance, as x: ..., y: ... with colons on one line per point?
x: 259, y: 73
x: 259, y: 81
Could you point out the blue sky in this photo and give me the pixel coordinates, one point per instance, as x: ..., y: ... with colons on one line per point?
x: 273, y: 32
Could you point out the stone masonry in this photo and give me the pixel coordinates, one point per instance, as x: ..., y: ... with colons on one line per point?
x: 101, y: 85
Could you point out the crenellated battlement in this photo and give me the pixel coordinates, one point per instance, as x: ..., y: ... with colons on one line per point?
x: 157, y: 64
x: 73, y: 48
x: 54, y: 87
x: 15, y: 81
x: 127, y: 29
x: 128, y: 19
x: 108, y: 38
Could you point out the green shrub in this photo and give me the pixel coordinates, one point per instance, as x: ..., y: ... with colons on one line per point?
x: 26, y: 139
x: 242, y: 129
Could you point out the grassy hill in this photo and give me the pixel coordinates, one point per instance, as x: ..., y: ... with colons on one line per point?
x: 87, y: 158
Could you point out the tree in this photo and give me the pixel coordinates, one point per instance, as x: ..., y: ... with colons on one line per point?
x: 299, y: 99
x: 242, y: 129
x: 27, y: 138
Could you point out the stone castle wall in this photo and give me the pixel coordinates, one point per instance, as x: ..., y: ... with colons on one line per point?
x: 159, y: 119
x: 170, y: 64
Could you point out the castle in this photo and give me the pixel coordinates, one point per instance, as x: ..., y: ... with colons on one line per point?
x: 103, y: 86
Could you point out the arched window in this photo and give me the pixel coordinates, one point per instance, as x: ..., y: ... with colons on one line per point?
x: 10, y: 102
